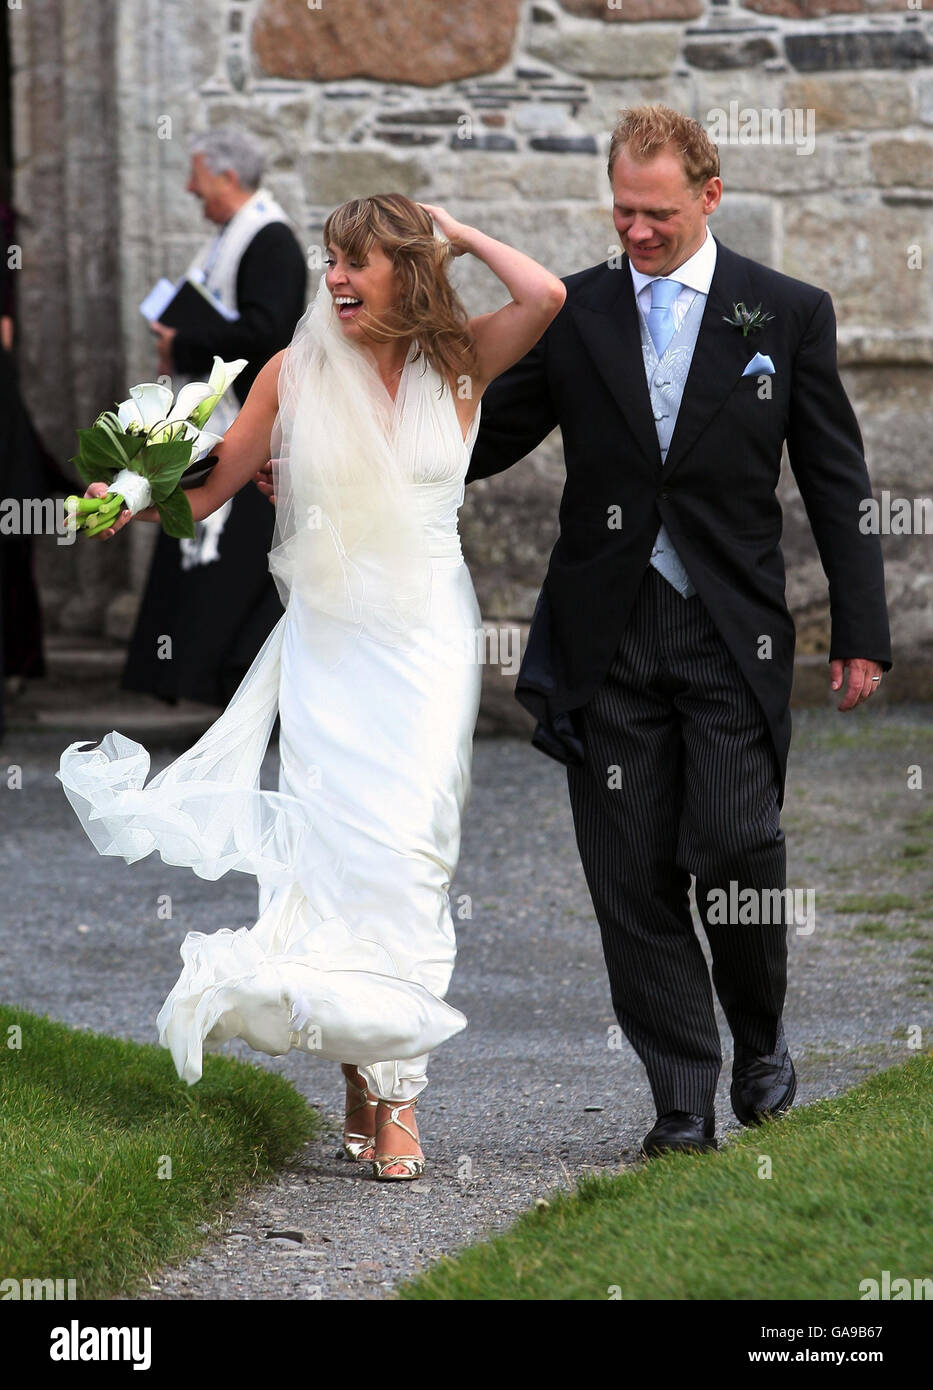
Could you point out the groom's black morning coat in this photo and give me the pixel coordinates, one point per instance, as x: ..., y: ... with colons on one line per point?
x: 715, y: 493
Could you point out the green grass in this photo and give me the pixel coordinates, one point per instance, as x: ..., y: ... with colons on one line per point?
x: 875, y: 926
x: 881, y: 903
x: 921, y: 964
x: 876, y: 930
x: 88, y: 1123
x: 848, y: 1197
x: 826, y: 737
x: 888, y: 931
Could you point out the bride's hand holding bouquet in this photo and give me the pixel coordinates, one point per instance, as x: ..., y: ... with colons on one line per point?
x: 142, y: 450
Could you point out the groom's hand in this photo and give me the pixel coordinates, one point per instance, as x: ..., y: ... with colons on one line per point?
x: 864, y: 680
x: 263, y: 480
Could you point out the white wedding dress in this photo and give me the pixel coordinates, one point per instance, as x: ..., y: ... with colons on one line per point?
x: 353, y: 949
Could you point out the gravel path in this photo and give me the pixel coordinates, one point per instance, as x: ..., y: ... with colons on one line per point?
x: 530, y: 1095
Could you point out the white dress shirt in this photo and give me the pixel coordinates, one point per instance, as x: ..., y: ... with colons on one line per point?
x: 696, y: 275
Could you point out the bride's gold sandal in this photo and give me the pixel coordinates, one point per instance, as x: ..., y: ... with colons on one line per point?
x: 355, y: 1144
x: 413, y: 1163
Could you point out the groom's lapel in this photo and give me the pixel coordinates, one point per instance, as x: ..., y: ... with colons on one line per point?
x: 607, y: 317
x: 720, y: 356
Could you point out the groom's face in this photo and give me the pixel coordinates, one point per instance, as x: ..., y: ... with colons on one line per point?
x: 660, y: 219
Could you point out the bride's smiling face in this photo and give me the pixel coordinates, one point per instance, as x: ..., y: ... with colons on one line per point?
x: 362, y: 292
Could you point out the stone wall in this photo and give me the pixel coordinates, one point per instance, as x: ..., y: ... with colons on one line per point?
x: 65, y: 176
x: 502, y: 112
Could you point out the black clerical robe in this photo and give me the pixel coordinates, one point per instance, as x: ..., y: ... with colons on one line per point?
x: 219, y: 613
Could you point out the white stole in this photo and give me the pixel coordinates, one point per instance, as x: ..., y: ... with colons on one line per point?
x: 216, y: 264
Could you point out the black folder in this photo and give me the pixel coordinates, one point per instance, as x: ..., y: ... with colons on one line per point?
x: 193, y: 311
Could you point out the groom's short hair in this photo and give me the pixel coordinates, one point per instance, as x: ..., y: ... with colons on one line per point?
x: 643, y: 131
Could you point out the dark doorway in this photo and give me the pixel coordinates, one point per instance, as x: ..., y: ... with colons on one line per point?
x: 6, y: 104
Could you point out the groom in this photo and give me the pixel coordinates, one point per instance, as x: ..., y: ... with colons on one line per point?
x: 660, y: 657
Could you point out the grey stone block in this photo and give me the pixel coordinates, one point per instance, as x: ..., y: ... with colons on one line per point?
x: 829, y: 52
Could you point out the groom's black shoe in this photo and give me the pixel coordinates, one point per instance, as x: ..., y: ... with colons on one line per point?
x: 678, y: 1131
x: 762, y: 1086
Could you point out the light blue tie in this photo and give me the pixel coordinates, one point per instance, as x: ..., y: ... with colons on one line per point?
x: 660, y: 317
x: 660, y: 321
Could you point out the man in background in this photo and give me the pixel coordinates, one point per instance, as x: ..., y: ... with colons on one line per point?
x: 213, y: 595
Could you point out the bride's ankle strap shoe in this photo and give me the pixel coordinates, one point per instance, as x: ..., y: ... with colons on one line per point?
x: 354, y: 1143
x: 412, y: 1163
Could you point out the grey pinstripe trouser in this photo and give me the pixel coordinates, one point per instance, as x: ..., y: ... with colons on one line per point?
x: 680, y: 778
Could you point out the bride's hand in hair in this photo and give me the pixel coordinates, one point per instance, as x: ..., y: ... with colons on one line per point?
x: 456, y: 232
x: 501, y: 338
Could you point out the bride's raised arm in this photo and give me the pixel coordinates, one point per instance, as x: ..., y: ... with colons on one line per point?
x: 240, y: 454
x: 502, y: 337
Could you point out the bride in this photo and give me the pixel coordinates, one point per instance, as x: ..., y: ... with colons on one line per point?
x: 369, y: 415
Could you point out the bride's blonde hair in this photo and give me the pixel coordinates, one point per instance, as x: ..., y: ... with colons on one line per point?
x: 428, y: 309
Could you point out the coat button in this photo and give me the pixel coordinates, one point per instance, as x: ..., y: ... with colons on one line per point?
x: 664, y: 494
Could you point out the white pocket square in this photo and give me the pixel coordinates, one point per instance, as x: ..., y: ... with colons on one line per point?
x: 759, y: 365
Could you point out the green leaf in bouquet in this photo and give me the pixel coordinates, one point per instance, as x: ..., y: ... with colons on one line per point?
x: 163, y: 464
x: 91, y: 473
x: 113, y: 438
x: 98, y: 449
x: 176, y: 515
x: 105, y: 448
x: 129, y: 443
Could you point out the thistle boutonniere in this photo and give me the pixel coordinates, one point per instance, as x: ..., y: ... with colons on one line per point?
x: 749, y: 320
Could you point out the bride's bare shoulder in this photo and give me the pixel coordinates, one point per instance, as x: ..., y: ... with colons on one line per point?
x: 275, y: 364
x: 266, y: 384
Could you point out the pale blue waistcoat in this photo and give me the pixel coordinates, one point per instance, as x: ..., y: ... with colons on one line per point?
x: 666, y: 380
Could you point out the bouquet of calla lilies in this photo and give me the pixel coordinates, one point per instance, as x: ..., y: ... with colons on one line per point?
x: 142, y: 449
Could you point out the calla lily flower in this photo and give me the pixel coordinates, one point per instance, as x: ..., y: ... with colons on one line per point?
x: 148, y: 404
x: 150, y: 417
x: 204, y: 443
x: 223, y: 374
x: 191, y: 395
